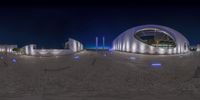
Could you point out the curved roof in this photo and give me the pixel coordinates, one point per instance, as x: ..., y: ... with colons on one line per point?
x: 129, y: 35
x: 171, y: 32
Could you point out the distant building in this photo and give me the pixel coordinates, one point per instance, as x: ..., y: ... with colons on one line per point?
x: 198, y: 47
x: 29, y: 49
x: 73, y: 45
x: 151, y: 39
x: 7, y: 48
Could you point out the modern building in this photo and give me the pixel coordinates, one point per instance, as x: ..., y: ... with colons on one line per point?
x: 73, y: 45
x: 198, y: 47
x: 70, y: 47
x: 7, y: 48
x: 151, y: 39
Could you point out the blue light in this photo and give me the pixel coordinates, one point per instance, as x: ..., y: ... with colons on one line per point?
x: 14, y: 60
x: 110, y: 50
x: 156, y: 65
x: 76, y: 57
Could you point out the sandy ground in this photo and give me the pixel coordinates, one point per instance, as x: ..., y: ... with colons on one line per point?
x: 90, y: 75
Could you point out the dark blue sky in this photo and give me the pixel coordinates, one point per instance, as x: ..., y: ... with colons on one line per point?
x: 51, y: 26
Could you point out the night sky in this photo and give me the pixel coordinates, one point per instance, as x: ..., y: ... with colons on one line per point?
x: 50, y: 26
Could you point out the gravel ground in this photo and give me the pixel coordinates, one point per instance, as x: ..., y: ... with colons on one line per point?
x: 89, y: 75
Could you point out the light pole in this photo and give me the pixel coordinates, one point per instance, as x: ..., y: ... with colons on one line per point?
x: 103, y: 43
x: 96, y: 43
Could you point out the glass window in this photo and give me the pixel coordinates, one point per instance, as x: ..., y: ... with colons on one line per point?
x: 155, y: 37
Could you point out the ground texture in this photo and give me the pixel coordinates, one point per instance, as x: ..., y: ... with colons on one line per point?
x: 89, y: 75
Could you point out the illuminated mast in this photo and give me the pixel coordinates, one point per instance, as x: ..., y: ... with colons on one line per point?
x: 103, y: 43
x: 96, y: 43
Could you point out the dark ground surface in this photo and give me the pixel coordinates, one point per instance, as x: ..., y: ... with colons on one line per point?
x: 92, y: 75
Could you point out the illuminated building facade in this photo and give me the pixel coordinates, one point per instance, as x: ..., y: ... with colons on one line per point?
x: 73, y: 45
x: 198, y: 47
x: 70, y: 47
x: 151, y: 39
x: 7, y: 48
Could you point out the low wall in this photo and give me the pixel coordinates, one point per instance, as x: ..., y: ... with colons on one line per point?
x: 7, y: 48
x: 51, y: 52
x: 71, y: 46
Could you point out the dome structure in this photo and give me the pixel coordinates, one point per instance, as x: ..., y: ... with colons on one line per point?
x: 151, y: 39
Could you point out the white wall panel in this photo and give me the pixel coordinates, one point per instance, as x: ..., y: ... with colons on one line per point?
x: 127, y: 41
x: 74, y: 46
